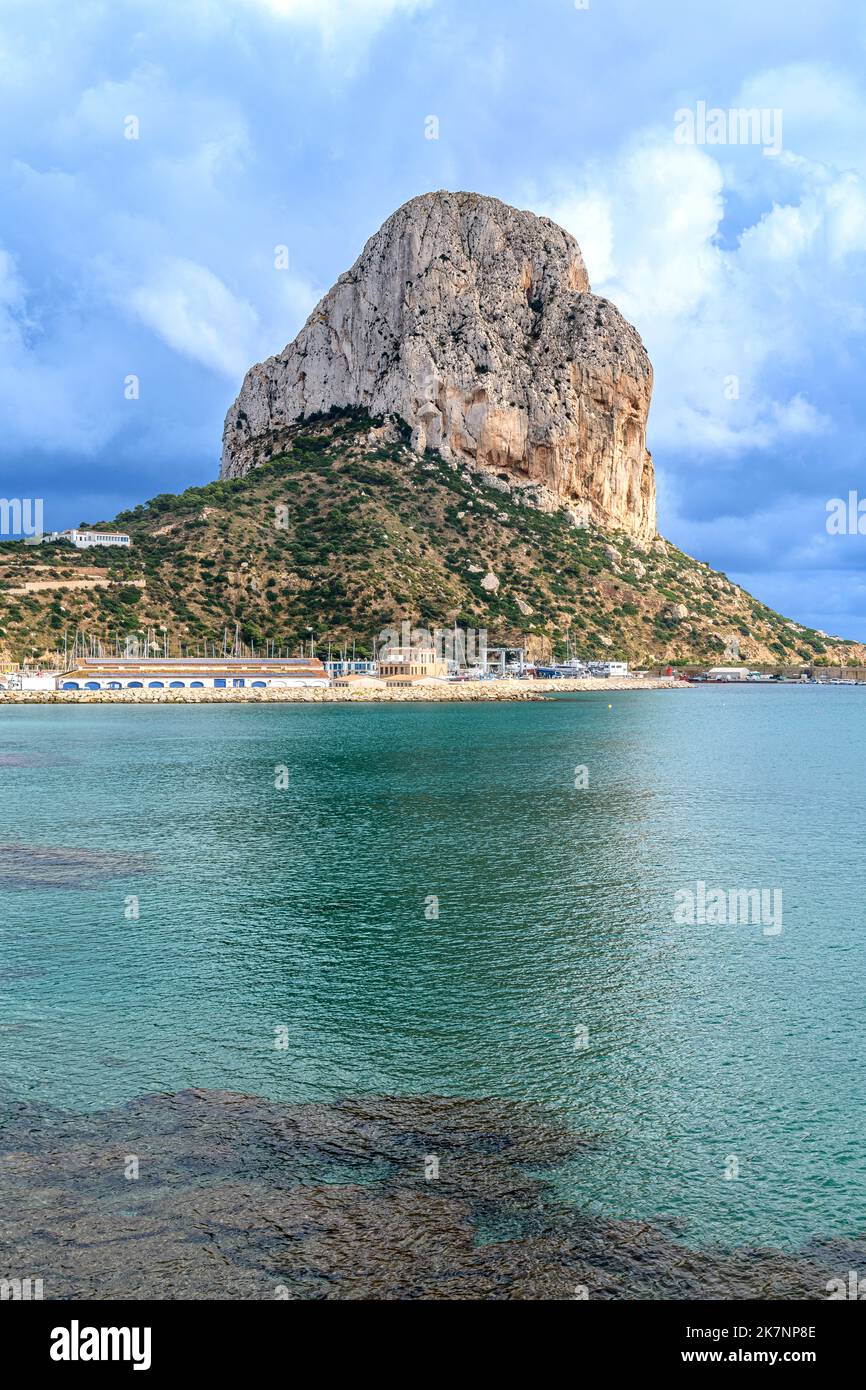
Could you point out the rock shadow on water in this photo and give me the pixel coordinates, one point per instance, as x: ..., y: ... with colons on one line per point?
x: 19, y: 758
x: 56, y: 866
x: 379, y: 1197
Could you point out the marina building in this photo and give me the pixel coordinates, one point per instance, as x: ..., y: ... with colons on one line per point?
x: 727, y: 673
x: 406, y: 665
x: 29, y: 680
x: 356, y: 679
x: 351, y: 667
x: 192, y: 673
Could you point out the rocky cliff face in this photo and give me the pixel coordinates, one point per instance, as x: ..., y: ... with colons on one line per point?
x: 475, y: 324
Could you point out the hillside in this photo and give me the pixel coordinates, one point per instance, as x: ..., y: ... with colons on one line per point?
x: 348, y: 530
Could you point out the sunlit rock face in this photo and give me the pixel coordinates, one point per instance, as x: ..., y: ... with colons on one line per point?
x: 475, y: 324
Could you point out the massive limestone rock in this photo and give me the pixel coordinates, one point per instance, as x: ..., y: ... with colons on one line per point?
x: 475, y: 324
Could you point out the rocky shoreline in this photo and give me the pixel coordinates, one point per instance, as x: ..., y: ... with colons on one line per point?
x: 468, y: 691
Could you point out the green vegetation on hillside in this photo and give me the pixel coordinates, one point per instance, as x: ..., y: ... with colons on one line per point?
x: 349, y: 532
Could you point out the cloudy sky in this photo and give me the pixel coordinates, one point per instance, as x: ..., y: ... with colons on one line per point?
x: 304, y: 123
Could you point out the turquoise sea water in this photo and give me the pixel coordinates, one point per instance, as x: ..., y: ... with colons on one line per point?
x: 310, y: 910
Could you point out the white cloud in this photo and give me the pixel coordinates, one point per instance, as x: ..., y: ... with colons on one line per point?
x: 334, y: 18
x: 823, y: 111
x: 591, y: 211
x: 724, y: 322
x: 196, y: 314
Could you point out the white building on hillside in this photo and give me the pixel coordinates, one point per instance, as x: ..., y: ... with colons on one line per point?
x: 83, y: 540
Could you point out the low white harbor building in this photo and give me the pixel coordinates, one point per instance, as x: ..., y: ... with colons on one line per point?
x: 727, y: 673
x: 192, y: 673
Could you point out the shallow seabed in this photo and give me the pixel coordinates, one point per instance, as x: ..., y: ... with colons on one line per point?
x: 431, y: 908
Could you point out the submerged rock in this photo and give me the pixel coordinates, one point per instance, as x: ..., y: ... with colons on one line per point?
x: 380, y: 1197
x: 58, y: 866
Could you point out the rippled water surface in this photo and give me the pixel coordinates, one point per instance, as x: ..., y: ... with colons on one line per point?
x: 307, y: 917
